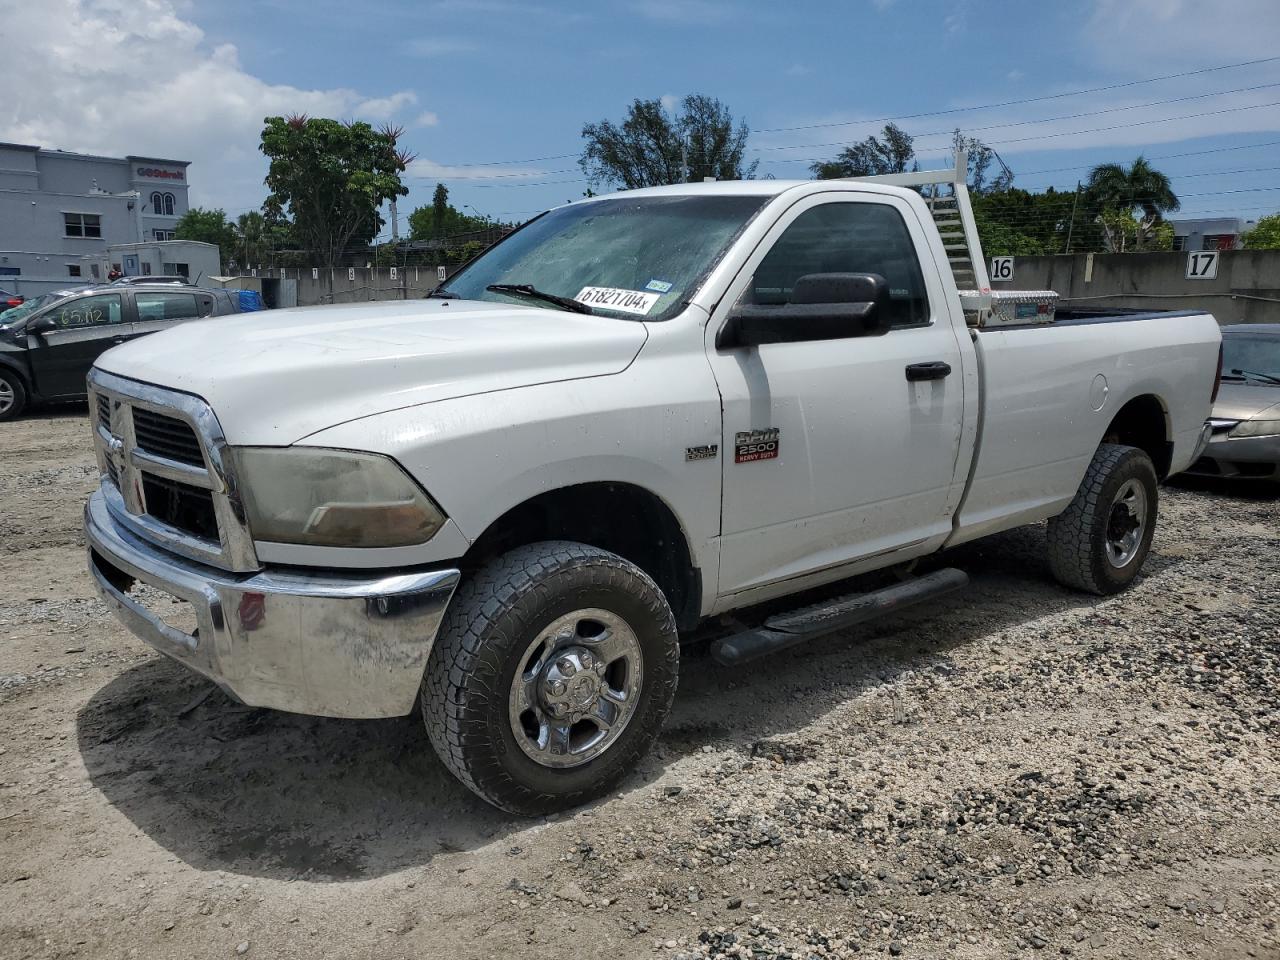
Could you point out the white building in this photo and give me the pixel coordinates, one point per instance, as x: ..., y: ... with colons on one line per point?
x: 60, y: 211
x: 1222, y: 233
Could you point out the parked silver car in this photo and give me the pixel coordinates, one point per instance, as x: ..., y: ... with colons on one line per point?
x: 1246, y: 416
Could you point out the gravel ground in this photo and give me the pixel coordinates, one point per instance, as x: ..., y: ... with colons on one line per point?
x: 1016, y: 771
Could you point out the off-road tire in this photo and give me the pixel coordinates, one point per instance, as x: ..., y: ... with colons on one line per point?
x: 491, y: 620
x: 1078, y: 535
x: 19, y: 404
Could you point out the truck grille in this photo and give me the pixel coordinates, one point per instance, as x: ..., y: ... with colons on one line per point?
x: 181, y: 506
x: 166, y: 437
x: 165, y: 474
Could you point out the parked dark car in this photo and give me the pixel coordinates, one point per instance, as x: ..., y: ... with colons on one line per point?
x: 49, y: 342
x: 1246, y: 416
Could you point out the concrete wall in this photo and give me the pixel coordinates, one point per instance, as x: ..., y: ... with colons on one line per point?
x: 340, y: 286
x: 1247, y: 288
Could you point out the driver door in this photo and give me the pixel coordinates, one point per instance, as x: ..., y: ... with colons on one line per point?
x: 865, y: 457
x: 81, y: 329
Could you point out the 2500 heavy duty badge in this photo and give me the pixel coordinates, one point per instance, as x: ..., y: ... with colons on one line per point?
x: 752, y: 445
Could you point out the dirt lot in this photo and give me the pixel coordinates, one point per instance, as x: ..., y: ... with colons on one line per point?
x: 1018, y: 771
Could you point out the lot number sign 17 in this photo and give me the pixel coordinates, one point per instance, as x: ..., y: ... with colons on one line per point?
x: 1002, y: 268
x: 1202, y: 265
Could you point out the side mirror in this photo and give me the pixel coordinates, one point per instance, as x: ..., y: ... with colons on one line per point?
x: 822, y: 306
x: 42, y: 325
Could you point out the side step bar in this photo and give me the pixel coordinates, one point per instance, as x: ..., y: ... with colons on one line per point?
x: 807, y: 623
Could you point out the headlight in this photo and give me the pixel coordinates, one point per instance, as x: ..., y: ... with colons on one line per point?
x: 333, y: 498
x: 1256, y: 428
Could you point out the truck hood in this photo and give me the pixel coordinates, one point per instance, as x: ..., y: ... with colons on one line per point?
x: 1245, y: 401
x: 275, y: 377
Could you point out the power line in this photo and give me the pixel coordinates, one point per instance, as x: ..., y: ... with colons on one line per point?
x: 928, y: 113
x: 1023, y: 123
x: 1011, y: 103
x: 1065, y: 133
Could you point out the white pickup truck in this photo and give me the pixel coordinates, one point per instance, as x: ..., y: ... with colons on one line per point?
x: 635, y: 415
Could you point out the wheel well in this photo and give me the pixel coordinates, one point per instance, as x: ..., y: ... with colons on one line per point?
x: 1143, y: 423
x: 619, y: 517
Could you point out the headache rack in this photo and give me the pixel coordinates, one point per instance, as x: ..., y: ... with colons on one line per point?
x: 953, y: 216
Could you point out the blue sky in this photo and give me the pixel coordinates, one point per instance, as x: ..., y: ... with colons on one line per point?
x: 494, y: 93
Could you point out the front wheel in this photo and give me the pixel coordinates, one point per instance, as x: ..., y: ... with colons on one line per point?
x: 551, y: 676
x: 13, y: 395
x: 1099, y: 543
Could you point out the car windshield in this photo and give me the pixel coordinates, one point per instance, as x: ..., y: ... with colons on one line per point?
x: 14, y: 314
x: 1252, y: 353
x: 630, y: 257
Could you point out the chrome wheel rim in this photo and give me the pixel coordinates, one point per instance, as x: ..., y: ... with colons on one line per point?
x: 576, y: 688
x: 6, y: 396
x: 1127, y: 524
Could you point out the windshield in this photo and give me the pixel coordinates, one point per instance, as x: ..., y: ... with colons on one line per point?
x: 14, y: 314
x: 1256, y: 354
x: 638, y: 257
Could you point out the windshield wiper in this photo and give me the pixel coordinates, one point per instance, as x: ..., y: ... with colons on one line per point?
x: 528, y: 290
x: 443, y: 294
x: 1261, y: 376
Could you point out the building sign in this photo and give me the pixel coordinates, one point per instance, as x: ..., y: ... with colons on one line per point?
x: 156, y: 173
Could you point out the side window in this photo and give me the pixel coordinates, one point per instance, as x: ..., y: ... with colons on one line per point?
x: 846, y: 238
x: 88, y: 312
x: 168, y: 204
x: 166, y: 306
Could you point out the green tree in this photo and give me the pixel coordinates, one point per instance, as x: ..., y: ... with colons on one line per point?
x: 871, y: 157
x: 1138, y: 192
x: 1265, y: 235
x: 652, y: 147
x: 209, y: 226
x: 332, y: 178
x: 442, y: 219
x: 980, y: 159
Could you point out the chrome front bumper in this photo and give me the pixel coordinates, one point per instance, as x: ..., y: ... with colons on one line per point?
x: 323, y: 644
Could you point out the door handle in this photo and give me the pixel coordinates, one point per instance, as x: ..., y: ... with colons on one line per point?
x: 933, y: 370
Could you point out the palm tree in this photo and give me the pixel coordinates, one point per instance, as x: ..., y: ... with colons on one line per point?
x: 1120, y: 191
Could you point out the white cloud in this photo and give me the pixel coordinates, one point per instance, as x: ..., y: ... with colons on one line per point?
x: 380, y: 108
x: 1146, y: 36
x: 798, y: 70
x: 91, y: 59
x: 423, y: 169
x: 427, y: 118
x: 669, y: 102
x: 883, y: 4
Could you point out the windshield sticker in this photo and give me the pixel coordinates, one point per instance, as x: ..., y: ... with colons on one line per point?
x: 611, y: 298
x: 660, y: 285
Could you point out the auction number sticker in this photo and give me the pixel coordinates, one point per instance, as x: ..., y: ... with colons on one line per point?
x: 638, y: 302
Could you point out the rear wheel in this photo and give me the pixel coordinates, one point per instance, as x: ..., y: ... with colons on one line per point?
x: 13, y: 395
x: 1101, y: 540
x: 551, y: 677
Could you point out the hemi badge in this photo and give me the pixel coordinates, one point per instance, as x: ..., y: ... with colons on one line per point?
x: 707, y: 451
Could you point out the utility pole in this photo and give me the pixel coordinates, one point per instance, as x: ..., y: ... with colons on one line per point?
x: 395, y: 222
x: 1071, y: 224
x: 684, y: 162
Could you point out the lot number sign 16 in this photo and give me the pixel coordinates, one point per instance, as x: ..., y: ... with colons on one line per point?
x: 1002, y: 268
x: 1202, y: 265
